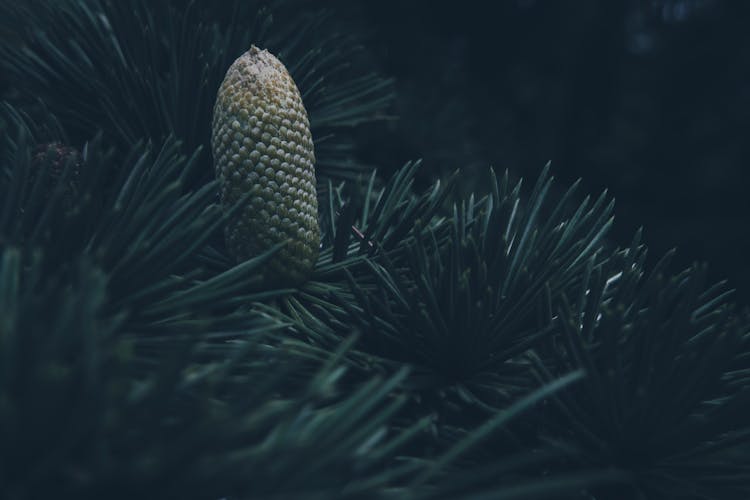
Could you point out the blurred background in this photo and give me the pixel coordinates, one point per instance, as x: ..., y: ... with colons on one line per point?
x: 649, y: 99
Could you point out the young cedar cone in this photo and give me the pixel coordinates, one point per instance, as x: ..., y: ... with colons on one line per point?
x: 262, y: 145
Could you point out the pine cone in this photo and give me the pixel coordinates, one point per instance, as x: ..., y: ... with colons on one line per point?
x: 262, y: 145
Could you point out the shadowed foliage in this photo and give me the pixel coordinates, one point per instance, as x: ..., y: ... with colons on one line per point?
x: 149, y: 70
x: 658, y: 401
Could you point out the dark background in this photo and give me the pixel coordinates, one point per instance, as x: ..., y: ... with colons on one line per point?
x: 650, y: 99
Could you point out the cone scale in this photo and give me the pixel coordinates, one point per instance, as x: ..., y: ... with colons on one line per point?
x: 262, y: 145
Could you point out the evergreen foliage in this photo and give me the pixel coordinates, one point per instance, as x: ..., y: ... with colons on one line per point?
x: 659, y: 399
x: 144, y: 69
x: 447, y: 346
